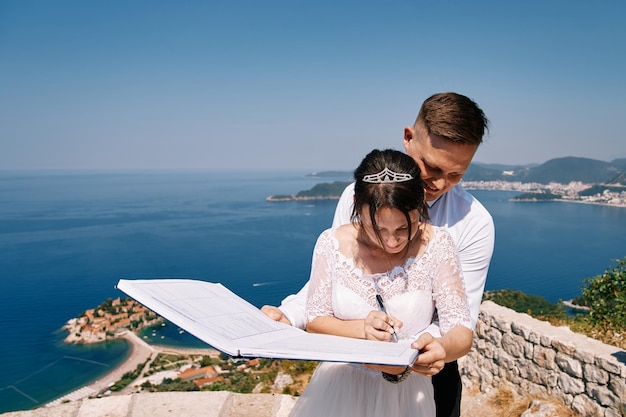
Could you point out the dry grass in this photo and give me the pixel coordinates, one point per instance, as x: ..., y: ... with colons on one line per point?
x: 504, y: 402
x: 508, y: 404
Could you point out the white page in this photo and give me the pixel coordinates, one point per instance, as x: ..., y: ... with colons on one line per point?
x: 227, y: 322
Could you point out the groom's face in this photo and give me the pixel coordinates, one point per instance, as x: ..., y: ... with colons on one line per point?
x: 442, y: 162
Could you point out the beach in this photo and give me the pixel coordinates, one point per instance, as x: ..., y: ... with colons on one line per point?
x: 139, y: 354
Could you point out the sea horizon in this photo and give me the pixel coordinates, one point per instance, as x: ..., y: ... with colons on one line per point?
x: 67, y: 239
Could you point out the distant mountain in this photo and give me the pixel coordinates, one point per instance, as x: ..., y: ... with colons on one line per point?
x: 503, y: 167
x: 565, y: 170
x: 326, y: 189
x: 562, y: 170
x: 480, y: 172
x: 619, y: 179
x: 322, y: 191
x: 621, y: 163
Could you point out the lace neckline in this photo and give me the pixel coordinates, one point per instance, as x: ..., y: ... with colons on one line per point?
x: 391, y: 274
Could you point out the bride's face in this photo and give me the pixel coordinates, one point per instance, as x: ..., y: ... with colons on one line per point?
x: 392, y: 228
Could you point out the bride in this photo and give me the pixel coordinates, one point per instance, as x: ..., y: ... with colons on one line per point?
x: 390, y: 254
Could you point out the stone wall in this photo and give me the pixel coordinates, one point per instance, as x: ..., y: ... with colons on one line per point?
x: 534, y: 357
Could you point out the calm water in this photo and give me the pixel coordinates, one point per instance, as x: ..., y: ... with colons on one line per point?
x: 66, y: 238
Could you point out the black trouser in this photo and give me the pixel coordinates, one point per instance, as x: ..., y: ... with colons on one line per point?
x: 447, y: 386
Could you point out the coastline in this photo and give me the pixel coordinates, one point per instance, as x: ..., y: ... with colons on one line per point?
x: 140, y: 352
x: 560, y: 200
x: 570, y: 304
x: 278, y: 199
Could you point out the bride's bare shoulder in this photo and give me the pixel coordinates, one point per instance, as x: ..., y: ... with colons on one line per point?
x: 345, y: 234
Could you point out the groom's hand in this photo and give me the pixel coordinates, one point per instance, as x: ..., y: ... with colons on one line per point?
x: 431, y: 358
x: 275, y: 314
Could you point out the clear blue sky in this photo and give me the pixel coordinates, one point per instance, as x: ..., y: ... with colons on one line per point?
x: 301, y: 84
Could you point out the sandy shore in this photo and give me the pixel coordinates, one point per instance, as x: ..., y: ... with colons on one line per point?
x: 140, y: 352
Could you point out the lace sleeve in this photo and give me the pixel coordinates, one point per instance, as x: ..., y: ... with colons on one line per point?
x: 448, y: 289
x: 319, y: 297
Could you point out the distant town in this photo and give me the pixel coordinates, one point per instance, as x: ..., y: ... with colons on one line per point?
x: 570, y: 179
x: 575, y: 191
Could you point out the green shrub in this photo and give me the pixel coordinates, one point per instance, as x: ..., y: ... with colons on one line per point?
x: 606, y: 297
x: 177, y: 384
x: 208, y: 361
x: 218, y: 386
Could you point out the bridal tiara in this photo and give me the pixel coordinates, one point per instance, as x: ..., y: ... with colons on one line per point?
x: 387, y: 176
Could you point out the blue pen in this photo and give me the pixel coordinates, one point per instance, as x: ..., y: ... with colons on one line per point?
x: 384, y: 310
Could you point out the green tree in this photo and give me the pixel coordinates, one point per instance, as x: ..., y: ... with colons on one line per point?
x: 207, y: 361
x: 107, y: 306
x: 241, y: 382
x: 177, y: 384
x: 218, y: 386
x: 606, y: 297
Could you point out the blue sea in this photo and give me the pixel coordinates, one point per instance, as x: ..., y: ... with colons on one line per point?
x: 66, y: 238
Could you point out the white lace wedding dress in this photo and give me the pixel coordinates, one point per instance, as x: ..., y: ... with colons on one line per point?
x: 411, y: 293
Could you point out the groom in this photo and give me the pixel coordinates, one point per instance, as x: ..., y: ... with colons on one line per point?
x: 446, y: 134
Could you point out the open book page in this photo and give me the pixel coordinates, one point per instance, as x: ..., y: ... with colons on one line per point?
x: 217, y: 316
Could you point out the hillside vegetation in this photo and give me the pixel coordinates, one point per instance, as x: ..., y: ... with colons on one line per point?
x: 604, y: 295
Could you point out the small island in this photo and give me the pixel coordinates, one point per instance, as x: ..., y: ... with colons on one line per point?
x: 109, y: 320
x: 536, y: 197
x: 322, y: 191
x: 154, y: 368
